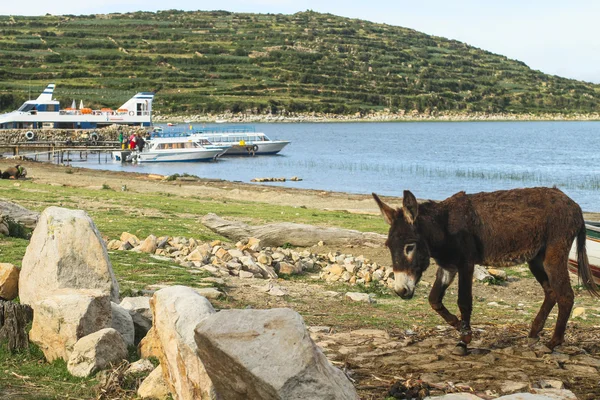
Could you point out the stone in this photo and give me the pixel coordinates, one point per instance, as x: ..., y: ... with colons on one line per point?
x: 59, y: 321
x: 129, y: 237
x: 264, y: 259
x: 97, y: 351
x: 541, y: 394
x: 141, y: 315
x: 235, y: 253
x: 579, y: 312
x: 287, y: 268
x: 498, y: 274
x: 122, y: 322
x: 551, y: 384
x: 176, y: 311
x: 140, y: 367
x: 455, y: 396
x: 9, y: 281
x: 65, y: 251
x: 154, y: 386
x: 336, y: 269
x: 150, y: 346
x: 149, y: 245
x: 210, y: 293
x: 114, y: 244
x: 512, y: 386
x: 267, y: 354
x: 223, y: 254
x: 481, y: 274
x: 246, y: 274
x: 360, y: 297
x: 19, y: 214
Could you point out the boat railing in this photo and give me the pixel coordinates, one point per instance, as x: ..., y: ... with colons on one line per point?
x: 225, y: 129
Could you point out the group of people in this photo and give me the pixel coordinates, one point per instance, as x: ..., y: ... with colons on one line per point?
x: 134, y: 142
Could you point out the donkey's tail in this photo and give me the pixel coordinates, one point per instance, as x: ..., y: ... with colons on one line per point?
x: 583, y: 265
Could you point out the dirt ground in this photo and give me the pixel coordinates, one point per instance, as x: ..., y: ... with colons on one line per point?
x: 373, y: 343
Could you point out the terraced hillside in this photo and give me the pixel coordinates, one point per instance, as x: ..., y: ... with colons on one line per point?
x: 202, y: 62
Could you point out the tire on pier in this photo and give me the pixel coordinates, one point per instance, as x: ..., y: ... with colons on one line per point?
x: 29, y: 135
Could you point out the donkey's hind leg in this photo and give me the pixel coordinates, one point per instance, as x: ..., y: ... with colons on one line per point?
x: 536, y: 266
x: 443, y: 279
x: 555, y: 265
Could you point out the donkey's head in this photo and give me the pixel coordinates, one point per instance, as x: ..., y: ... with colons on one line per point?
x: 410, y: 254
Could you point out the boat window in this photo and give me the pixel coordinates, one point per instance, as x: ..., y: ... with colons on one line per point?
x: 27, y: 107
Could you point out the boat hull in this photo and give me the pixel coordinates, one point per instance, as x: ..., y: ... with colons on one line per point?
x: 179, y: 155
x: 592, y: 245
x: 258, y: 148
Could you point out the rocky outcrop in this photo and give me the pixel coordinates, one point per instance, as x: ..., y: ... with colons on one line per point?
x: 122, y: 323
x: 267, y: 354
x: 9, y: 281
x: 97, y: 351
x: 65, y: 251
x: 154, y: 386
x: 301, y: 235
x: 19, y: 214
x: 60, y: 320
x: 176, y: 311
x: 139, y: 309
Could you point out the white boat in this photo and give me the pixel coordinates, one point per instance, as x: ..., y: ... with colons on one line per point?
x: 242, y: 140
x: 178, y: 149
x: 592, y: 245
x: 45, y: 113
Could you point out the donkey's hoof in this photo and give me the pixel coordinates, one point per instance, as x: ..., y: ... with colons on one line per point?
x: 460, y: 350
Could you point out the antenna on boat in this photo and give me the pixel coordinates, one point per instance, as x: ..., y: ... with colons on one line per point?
x: 29, y: 86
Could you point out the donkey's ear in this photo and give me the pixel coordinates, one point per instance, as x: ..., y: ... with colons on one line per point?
x: 410, y: 207
x: 389, y: 213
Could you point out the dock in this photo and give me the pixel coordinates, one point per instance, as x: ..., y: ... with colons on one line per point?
x: 62, y: 152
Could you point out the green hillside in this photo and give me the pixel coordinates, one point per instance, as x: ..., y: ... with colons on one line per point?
x: 201, y: 62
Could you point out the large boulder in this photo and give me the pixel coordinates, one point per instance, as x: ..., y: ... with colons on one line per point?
x: 59, y: 321
x: 65, y: 251
x: 267, y: 354
x: 123, y: 323
x: 97, y: 351
x: 176, y: 311
x: 139, y: 309
x: 9, y: 281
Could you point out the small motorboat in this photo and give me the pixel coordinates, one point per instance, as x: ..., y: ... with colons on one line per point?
x: 592, y: 244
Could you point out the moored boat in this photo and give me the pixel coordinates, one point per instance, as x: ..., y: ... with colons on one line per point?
x: 592, y: 245
x: 45, y: 113
x: 239, y: 140
x: 178, y: 149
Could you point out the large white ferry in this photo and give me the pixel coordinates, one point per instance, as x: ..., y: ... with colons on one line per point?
x: 45, y: 113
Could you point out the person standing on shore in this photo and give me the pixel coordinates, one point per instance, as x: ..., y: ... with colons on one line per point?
x: 121, y: 140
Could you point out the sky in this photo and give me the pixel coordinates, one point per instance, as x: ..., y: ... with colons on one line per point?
x: 556, y: 37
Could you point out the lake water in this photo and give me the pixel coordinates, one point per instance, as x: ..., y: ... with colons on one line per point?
x: 432, y: 159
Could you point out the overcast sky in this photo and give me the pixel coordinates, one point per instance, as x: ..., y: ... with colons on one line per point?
x: 556, y: 37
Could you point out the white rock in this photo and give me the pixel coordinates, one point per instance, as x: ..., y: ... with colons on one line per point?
x: 361, y: 297
x: 139, y: 309
x: 97, y: 351
x: 481, y: 274
x: 65, y: 251
x: 59, y: 321
x: 272, y: 355
x: 579, y: 312
x: 512, y: 386
x: 246, y: 274
x: 176, y: 311
x: 210, y: 293
x: 154, y: 386
x: 122, y: 323
x: 139, y: 367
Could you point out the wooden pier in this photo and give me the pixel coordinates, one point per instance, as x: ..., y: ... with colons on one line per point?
x: 62, y: 152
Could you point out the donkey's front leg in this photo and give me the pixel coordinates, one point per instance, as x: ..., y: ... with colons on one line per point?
x: 465, y: 305
x: 443, y: 279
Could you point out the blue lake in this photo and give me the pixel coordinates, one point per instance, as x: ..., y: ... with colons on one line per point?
x: 432, y: 159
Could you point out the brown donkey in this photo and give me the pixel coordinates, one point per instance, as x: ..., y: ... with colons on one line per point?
x: 536, y: 225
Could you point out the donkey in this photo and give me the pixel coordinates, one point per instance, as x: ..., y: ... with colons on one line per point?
x: 503, y: 228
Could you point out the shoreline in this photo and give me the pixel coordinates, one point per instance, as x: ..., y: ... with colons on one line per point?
x: 373, y: 117
x: 216, y: 189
